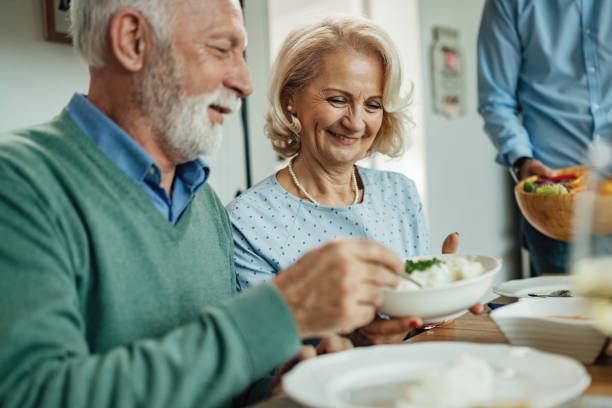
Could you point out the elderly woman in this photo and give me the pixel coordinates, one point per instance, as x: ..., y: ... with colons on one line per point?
x: 335, y: 99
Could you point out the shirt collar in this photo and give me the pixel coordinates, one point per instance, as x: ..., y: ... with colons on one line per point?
x: 123, y: 150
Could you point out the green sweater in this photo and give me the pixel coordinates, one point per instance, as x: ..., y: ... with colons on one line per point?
x: 104, y: 303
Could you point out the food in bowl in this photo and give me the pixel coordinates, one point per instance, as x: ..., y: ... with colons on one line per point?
x: 566, y: 182
x: 434, y: 272
x: 443, y: 301
x: 552, y: 212
x: 563, y: 183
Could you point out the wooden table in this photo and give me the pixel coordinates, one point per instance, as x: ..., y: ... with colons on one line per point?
x: 482, y: 329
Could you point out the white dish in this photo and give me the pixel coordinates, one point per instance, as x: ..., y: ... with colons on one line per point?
x: 445, y: 301
x: 530, y: 323
x: 375, y: 376
x: 541, y: 285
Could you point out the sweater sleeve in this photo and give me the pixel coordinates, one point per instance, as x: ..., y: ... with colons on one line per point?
x: 45, y: 360
x: 499, y: 64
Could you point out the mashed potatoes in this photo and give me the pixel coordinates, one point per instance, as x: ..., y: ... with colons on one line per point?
x: 450, y: 270
x: 466, y: 382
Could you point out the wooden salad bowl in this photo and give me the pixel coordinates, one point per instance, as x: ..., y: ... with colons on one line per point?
x: 554, y: 214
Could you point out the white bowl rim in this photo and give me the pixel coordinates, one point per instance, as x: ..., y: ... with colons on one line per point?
x: 455, y: 284
x: 565, y: 322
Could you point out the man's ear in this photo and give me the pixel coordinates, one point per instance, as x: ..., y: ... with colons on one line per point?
x: 130, y: 39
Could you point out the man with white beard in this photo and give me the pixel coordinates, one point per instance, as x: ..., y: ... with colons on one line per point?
x: 118, y: 284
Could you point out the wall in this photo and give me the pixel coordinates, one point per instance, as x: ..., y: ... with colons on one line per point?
x: 37, y: 77
x: 228, y: 165
x: 468, y: 192
x: 285, y: 15
x: 263, y: 157
x: 400, y: 18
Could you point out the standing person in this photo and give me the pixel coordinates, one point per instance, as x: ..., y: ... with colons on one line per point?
x: 118, y: 281
x: 335, y: 98
x: 545, y: 93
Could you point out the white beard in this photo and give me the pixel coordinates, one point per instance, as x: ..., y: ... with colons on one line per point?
x: 181, y: 124
x: 193, y: 133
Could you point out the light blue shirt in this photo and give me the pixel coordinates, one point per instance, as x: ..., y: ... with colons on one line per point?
x: 551, y: 60
x: 273, y: 229
x: 136, y: 162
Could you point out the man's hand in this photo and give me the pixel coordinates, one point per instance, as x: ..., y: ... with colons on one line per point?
x: 337, y: 287
x: 533, y: 167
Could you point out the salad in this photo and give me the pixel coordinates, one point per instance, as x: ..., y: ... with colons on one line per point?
x: 567, y: 183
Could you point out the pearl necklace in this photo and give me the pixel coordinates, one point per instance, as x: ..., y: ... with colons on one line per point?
x: 308, y: 196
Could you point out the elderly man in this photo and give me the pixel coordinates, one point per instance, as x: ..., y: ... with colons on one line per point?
x: 117, y: 283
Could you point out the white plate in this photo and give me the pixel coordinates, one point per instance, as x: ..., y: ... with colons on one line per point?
x: 541, y: 285
x: 375, y: 376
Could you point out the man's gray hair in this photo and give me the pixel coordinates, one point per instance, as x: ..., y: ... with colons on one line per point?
x: 90, y: 20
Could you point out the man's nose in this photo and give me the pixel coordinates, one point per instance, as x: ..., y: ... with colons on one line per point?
x: 239, y: 79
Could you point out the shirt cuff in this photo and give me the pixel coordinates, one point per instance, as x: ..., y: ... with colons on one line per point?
x: 514, y: 155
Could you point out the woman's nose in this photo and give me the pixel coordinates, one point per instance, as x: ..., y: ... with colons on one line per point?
x: 354, y: 120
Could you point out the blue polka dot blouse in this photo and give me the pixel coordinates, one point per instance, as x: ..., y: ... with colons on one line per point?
x: 273, y: 229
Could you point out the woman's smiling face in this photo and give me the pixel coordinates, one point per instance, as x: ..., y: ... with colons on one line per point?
x: 341, y: 109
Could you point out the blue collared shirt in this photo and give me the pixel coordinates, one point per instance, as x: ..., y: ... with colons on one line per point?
x: 552, y: 61
x: 130, y: 157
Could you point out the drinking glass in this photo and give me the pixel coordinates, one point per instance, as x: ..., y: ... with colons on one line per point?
x: 591, y: 251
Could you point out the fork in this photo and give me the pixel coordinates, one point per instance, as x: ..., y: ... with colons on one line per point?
x: 554, y: 293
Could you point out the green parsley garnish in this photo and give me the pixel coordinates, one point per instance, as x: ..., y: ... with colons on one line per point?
x: 421, y: 265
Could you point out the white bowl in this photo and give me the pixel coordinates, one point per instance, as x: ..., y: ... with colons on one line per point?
x: 529, y: 323
x: 442, y: 302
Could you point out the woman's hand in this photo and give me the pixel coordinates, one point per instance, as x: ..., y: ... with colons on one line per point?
x: 385, y: 331
x: 451, y: 243
x: 305, y: 353
x: 327, y: 345
x: 333, y: 344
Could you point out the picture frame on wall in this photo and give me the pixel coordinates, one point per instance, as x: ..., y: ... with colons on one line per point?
x: 56, y: 20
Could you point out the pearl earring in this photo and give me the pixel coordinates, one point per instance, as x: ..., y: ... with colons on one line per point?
x: 289, y: 108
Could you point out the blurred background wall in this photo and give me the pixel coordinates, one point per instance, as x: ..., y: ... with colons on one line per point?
x: 467, y: 191
x: 451, y: 160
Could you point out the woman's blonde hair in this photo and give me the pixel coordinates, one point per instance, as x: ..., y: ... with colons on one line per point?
x: 299, y: 61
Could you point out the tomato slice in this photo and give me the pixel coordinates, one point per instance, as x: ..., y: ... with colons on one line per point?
x: 567, y: 176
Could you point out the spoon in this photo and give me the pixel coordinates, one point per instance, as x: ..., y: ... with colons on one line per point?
x: 408, y: 278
